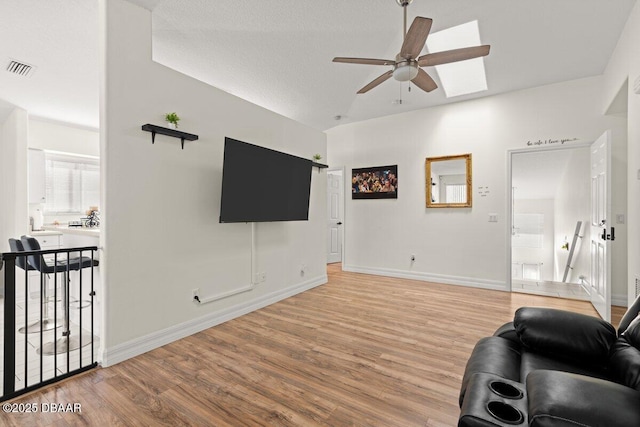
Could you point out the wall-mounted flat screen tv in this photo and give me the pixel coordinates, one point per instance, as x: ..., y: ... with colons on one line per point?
x: 262, y: 185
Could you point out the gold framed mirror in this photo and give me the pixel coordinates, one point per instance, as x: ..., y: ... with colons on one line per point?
x: 448, y: 181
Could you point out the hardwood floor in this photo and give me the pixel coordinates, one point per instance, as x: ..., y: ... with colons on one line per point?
x: 361, y: 350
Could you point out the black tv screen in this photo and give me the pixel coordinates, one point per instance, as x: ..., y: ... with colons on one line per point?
x: 261, y: 185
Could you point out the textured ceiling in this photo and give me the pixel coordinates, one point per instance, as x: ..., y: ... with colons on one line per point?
x: 277, y: 54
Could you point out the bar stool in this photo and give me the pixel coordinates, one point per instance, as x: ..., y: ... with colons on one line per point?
x: 44, y: 324
x: 66, y: 342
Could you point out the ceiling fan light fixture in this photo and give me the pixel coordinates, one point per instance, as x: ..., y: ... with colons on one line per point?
x: 405, y: 71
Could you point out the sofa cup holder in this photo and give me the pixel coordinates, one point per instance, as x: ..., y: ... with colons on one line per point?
x: 505, y: 390
x: 505, y: 413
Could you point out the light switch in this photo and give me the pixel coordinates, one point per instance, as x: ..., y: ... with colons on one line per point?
x: 493, y: 217
x: 620, y: 218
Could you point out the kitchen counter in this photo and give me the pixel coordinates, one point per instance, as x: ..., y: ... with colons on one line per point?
x: 36, y: 233
x: 78, y: 231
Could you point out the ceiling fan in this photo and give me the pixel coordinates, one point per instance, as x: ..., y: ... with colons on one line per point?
x: 407, y: 65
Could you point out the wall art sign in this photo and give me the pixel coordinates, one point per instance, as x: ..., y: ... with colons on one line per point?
x: 550, y: 141
x: 379, y: 182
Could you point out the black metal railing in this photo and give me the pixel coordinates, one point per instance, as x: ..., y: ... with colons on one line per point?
x: 46, y: 339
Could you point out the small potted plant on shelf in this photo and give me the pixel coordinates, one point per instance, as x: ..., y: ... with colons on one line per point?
x: 172, y: 120
x: 317, y: 157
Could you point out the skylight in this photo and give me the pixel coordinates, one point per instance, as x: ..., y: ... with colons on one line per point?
x: 464, y: 77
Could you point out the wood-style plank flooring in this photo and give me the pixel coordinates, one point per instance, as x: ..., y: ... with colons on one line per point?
x: 359, y: 351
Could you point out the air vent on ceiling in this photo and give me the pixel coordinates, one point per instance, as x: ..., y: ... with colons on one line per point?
x: 20, y: 68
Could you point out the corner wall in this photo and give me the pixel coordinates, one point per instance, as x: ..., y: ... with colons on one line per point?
x: 624, y: 66
x: 161, y: 234
x: 460, y: 246
x: 13, y: 177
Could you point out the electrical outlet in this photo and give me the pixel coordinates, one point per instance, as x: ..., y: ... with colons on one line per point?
x: 493, y: 217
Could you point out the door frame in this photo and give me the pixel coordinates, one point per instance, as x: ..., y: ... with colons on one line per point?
x: 343, y: 206
x: 509, y: 192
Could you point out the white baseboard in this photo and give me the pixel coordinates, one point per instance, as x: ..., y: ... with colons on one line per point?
x: 616, y: 299
x: 619, y: 300
x: 429, y: 277
x: 132, y: 348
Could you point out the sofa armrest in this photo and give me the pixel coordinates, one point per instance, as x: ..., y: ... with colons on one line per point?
x: 564, y: 334
x: 563, y: 399
x: 508, y: 332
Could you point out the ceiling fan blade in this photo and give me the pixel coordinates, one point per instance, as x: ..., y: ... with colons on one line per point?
x: 454, y: 55
x: 366, y: 61
x: 424, y: 81
x: 376, y: 82
x: 416, y: 37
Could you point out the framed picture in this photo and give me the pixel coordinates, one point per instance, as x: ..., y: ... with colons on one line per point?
x: 379, y: 182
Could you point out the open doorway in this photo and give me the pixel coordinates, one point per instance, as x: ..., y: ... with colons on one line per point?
x: 550, y: 217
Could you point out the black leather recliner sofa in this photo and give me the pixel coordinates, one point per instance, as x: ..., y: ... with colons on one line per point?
x: 555, y: 368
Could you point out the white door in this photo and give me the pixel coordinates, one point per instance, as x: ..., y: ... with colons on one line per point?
x: 602, y: 231
x: 335, y: 194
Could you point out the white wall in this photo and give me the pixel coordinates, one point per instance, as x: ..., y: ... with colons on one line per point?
x: 161, y: 234
x: 13, y: 176
x: 624, y: 66
x: 67, y: 138
x: 457, y: 246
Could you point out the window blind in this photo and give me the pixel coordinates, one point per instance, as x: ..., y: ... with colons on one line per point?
x: 72, y: 183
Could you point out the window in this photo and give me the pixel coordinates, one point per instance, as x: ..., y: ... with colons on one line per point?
x: 72, y: 183
x: 459, y: 78
x: 456, y: 193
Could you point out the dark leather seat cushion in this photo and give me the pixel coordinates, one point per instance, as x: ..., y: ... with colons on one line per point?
x: 564, y: 399
x: 532, y: 361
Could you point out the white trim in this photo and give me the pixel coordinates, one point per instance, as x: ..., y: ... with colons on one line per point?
x: 509, y: 192
x: 619, y: 300
x: 472, y: 282
x: 135, y: 347
x: 343, y: 205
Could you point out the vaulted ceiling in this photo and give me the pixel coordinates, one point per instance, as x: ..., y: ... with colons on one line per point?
x: 278, y: 54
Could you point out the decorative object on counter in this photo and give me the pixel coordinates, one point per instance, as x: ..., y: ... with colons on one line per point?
x: 93, y: 217
x: 172, y: 120
x: 169, y: 132
x: 565, y: 245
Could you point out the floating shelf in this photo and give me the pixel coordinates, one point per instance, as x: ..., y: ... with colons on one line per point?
x: 319, y: 165
x: 169, y: 132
